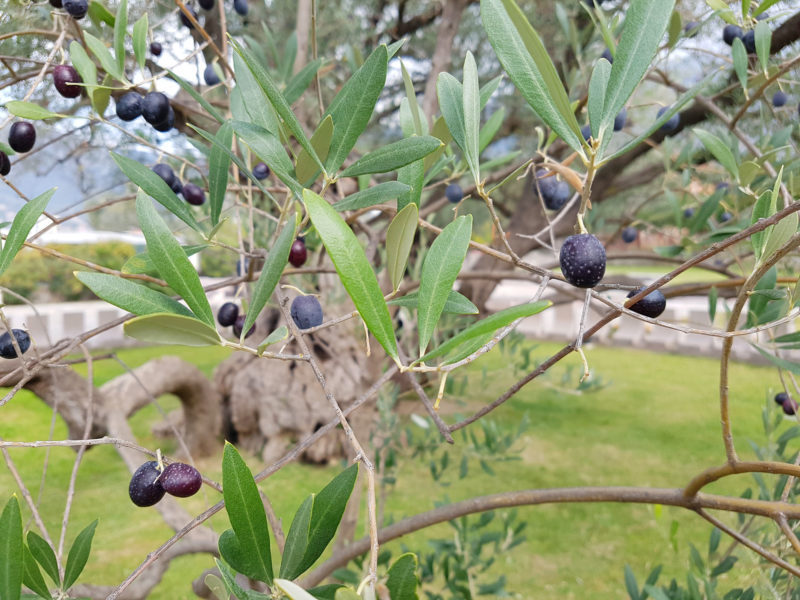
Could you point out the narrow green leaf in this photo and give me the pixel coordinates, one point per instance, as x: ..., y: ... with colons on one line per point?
x: 141, y: 264
x: 297, y: 541
x: 439, y: 272
x: 399, y: 238
x: 219, y: 162
x: 412, y: 175
x: 44, y: 555
x: 411, y: 95
x: 276, y: 99
x: 456, y: 304
x: 229, y: 577
x: 189, y: 89
x: 329, y: 506
x: 761, y: 210
x: 525, y: 60
x: 490, y: 129
x: 451, y: 103
x: 763, y: 44
x: 598, y: 86
x: 243, y: 168
x: 719, y: 149
x: 84, y: 65
x: 270, y: 274
x: 488, y: 325
x: 289, y: 55
x: 120, y: 30
x: 171, y: 261
x: 294, y: 591
x: 383, y: 192
x: 472, y: 115
x: 127, y: 295
x: 740, y: 62
x: 217, y: 587
x: 98, y: 13
x: 269, y: 149
x: 29, y: 110
x: 402, y: 581
x: 781, y: 363
x: 155, y: 187
x: 674, y: 29
x: 300, y: 82
x: 280, y: 334
x: 352, y: 107
x: 140, y: 40
x: 246, y: 513
x: 11, y: 551
x: 21, y: 226
x: 307, y: 171
x: 780, y: 233
x: 231, y: 551
x: 393, y: 156
x: 256, y: 102
x: 354, y: 270
x: 169, y: 328
x: 79, y: 554
x: 32, y: 576
x: 764, y: 5
x: 645, y: 24
x: 107, y: 61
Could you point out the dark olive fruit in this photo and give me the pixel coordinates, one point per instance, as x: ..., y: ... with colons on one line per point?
x: 176, y: 186
x: 725, y: 217
x: 749, y: 40
x: 76, y: 8
x: 210, y: 76
x: 155, y: 108
x: 620, y: 119
x: 722, y: 185
x: 453, y: 193
x: 21, y: 136
x: 63, y: 78
x: 129, y: 106
x: 5, y: 164
x: 781, y: 397
x: 586, y: 132
x: 629, y: 234
x: 167, y: 123
x: 194, y: 194
x: 165, y: 172
x: 56, y: 3
x: 227, y: 313
x: 155, y: 48
x: 779, y: 99
x: 143, y: 489
x: 583, y: 260
x: 730, y: 33
x: 651, y: 305
x: 608, y: 56
x: 238, y: 326
x: 7, y: 349
x: 790, y: 406
x: 298, y: 253
x: 690, y: 29
x: 206, y: 4
x: 306, y: 312
x: 181, y: 480
x: 240, y: 6
x: 688, y: 213
x: 554, y: 191
x: 185, y: 20
x: 261, y: 171
x: 672, y: 123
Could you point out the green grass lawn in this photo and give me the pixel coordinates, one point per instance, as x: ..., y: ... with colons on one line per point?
x: 656, y: 423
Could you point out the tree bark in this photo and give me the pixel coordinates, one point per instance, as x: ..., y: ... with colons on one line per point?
x: 303, y: 29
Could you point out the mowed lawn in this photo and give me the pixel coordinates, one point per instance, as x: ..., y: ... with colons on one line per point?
x: 655, y: 423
